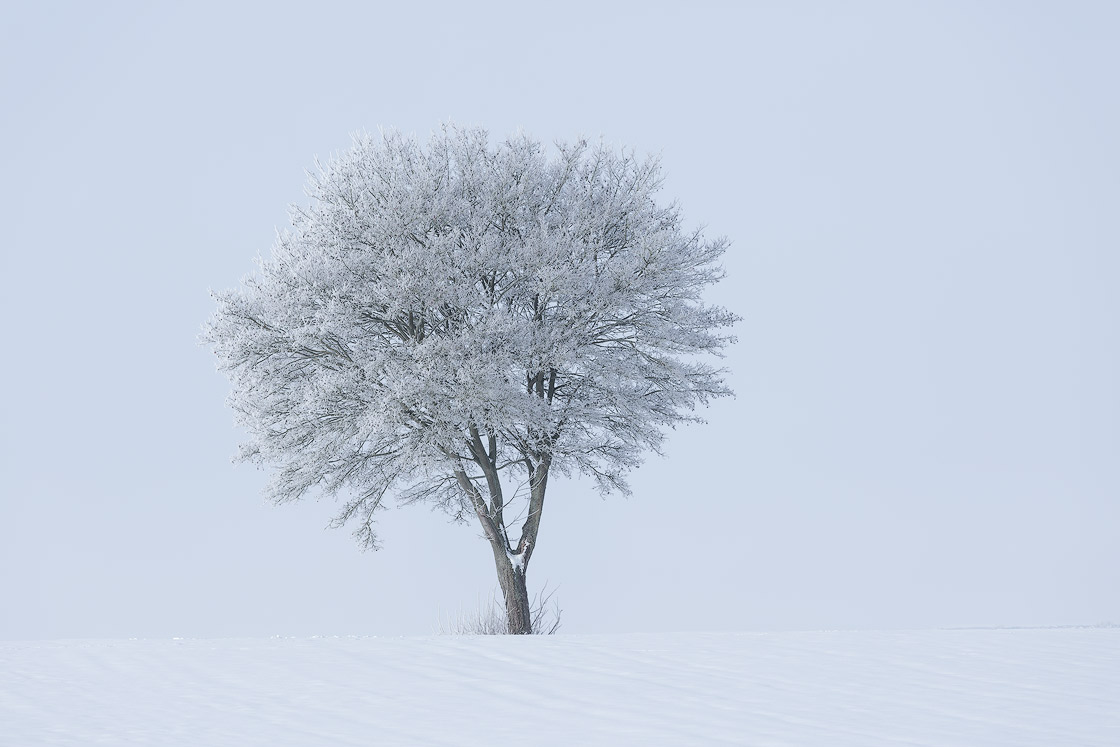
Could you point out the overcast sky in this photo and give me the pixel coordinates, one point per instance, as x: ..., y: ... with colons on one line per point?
x: 924, y: 204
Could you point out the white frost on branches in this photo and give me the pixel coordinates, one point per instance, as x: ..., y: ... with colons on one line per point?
x: 445, y: 307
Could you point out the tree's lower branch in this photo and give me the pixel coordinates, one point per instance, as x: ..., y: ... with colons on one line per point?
x: 537, y: 486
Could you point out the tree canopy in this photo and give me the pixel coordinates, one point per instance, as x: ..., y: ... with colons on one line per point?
x: 445, y: 317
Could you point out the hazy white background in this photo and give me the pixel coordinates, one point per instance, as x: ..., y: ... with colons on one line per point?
x: 923, y: 200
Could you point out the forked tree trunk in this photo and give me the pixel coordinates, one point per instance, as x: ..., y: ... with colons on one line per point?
x: 511, y: 577
x: 511, y: 569
x: 511, y: 563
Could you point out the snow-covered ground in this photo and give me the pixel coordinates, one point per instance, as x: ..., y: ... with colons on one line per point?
x: 941, y: 687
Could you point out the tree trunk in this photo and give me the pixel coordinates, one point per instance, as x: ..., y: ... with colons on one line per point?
x: 519, y: 617
x: 511, y: 564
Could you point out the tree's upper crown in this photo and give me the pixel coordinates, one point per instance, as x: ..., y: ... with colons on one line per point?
x: 549, y: 302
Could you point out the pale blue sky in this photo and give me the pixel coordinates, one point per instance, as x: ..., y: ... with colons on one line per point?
x: 923, y: 203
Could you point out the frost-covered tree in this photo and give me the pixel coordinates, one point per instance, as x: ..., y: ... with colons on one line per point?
x: 451, y: 322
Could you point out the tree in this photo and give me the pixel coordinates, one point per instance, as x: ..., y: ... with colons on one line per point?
x: 453, y: 323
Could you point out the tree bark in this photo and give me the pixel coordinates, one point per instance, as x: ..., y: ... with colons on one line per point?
x: 511, y: 577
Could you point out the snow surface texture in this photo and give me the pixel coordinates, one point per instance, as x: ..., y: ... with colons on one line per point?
x: 944, y: 687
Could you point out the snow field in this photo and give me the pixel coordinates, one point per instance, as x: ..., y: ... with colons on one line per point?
x: 942, y: 687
